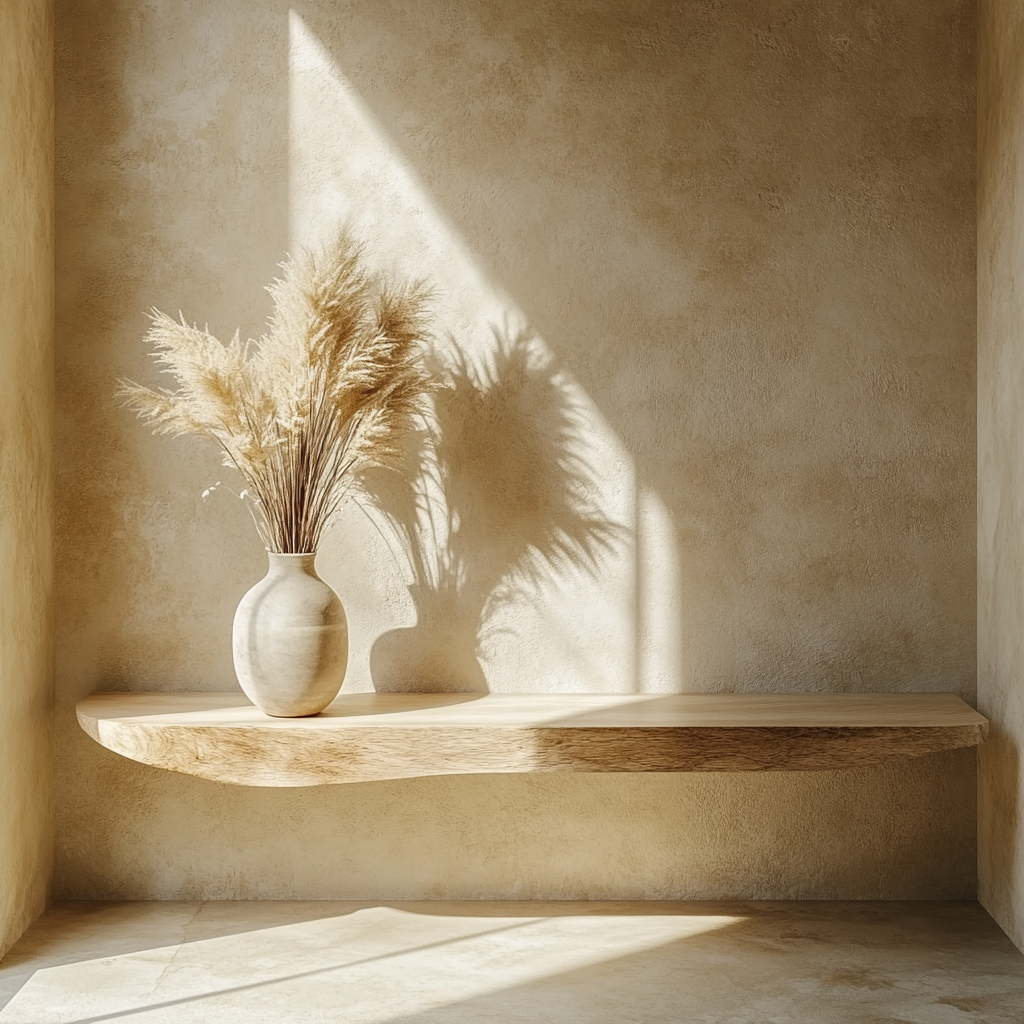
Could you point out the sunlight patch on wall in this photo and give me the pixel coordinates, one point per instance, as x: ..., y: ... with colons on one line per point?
x: 660, y: 618
x: 515, y: 561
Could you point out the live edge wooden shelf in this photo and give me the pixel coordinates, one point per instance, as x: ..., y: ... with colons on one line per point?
x: 365, y: 737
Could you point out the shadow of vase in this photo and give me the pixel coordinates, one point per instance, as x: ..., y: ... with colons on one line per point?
x: 436, y: 655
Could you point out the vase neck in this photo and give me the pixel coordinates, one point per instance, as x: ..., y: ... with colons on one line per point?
x: 281, y: 563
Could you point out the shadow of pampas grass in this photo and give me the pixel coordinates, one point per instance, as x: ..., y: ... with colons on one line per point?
x: 504, y: 504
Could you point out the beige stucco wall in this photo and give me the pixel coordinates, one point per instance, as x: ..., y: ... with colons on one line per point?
x: 26, y: 463
x: 1000, y: 469
x: 743, y: 238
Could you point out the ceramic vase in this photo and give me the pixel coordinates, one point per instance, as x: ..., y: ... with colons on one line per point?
x: 290, y: 639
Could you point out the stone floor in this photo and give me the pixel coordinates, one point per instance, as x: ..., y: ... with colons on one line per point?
x: 522, y: 963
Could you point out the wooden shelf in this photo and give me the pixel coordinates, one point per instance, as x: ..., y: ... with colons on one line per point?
x: 365, y: 737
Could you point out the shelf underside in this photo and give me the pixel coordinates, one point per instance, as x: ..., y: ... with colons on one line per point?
x: 366, y: 737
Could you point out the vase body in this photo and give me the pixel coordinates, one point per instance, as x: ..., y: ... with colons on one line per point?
x: 290, y: 640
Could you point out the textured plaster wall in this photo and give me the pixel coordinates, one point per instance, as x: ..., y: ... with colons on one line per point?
x: 705, y: 284
x: 1000, y: 460
x: 26, y: 463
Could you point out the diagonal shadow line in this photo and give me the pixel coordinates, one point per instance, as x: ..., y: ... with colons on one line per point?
x: 293, y: 977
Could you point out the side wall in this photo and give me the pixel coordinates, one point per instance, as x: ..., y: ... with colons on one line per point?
x: 743, y: 236
x: 26, y: 471
x: 1001, y: 460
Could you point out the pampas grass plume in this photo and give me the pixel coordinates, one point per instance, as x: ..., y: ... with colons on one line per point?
x: 329, y: 392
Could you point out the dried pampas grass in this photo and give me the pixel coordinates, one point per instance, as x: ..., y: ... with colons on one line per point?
x: 329, y: 392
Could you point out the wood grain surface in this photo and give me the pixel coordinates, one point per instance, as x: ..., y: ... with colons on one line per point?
x: 365, y: 737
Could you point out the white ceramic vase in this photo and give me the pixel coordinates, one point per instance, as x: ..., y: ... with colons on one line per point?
x: 290, y: 639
